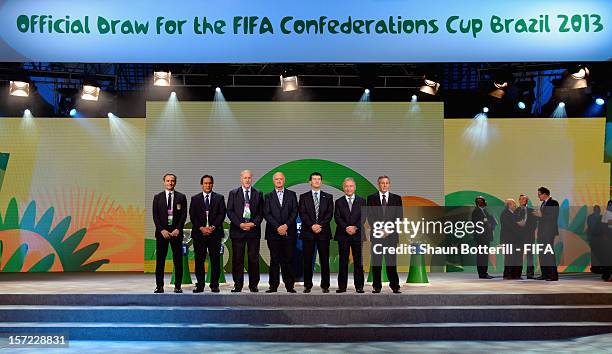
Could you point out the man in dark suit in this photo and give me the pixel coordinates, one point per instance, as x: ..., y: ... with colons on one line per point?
x: 245, y: 211
x: 481, y: 214
x: 207, y: 213
x: 349, y: 234
x: 548, y: 229
x: 509, y: 235
x: 316, y: 209
x: 527, y: 223
x: 169, y: 216
x: 384, y: 206
x: 280, y: 212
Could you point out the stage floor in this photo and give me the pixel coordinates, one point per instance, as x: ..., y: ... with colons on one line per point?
x: 440, y: 283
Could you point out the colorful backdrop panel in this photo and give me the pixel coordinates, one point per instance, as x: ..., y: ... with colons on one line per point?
x: 72, y: 195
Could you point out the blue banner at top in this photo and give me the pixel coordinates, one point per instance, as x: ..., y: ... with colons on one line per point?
x: 252, y: 31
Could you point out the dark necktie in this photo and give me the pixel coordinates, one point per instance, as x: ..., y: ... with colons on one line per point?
x: 206, y: 203
x: 247, y: 198
x: 170, y: 201
x: 384, y: 200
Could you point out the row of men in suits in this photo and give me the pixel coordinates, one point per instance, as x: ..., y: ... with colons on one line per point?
x: 246, y: 209
x: 518, y: 226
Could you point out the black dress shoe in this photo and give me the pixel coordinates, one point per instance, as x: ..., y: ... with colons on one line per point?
x: 340, y: 291
x: 292, y: 290
x: 306, y: 291
x: 530, y: 277
x: 158, y: 290
x: 325, y: 290
x: 198, y: 289
x: 254, y: 290
x: 541, y: 278
x: 486, y: 276
x: 359, y: 291
x: 236, y: 290
x: 214, y: 290
x: 178, y: 290
x: 397, y: 291
x: 376, y: 291
x: 271, y: 291
x: 552, y: 279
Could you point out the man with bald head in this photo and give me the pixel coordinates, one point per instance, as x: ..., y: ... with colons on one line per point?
x: 245, y: 211
x: 280, y: 212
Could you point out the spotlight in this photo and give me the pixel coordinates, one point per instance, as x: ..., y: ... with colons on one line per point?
x: 485, y: 109
x: 172, y: 94
x: 576, y: 77
x: 73, y: 112
x: 562, y: 104
x: 431, y: 85
x: 414, y: 98
x: 27, y: 112
x: 90, y: 93
x: 110, y: 115
x: 218, y: 89
x: 600, y: 101
x: 581, y: 72
x: 521, y: 105
x: 289, y: 81
x: 366, y: 91
x: 19, y: 88
x: 162, y: 78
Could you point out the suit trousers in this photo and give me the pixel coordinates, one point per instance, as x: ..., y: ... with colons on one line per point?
x: 238, y: 245
x: 161, y: 251
x: 212, y: 245
x: 390, y: 266
x: 309, y: 257
x: 352, y: 244
x: 281, y: 259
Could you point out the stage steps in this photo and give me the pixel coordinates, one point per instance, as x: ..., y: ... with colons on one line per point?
x: 313, y: 317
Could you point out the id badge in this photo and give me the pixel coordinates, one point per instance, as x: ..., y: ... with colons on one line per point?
x: 170, y: 217
x: 247, y: 211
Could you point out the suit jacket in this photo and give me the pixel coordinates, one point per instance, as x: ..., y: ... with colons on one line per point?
x: 277, y: 215
x: 345, y: 217
x: 509, y: 232
x: 547, y: 225
x: 307, y: 213
x: 216, y: 214
x: 375, y: 213
x: 160, y: 213
x: 235, y: 210
x: 489, y: 225
x: 527, y: 232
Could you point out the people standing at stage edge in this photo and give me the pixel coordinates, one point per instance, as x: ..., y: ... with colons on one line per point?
x: 527, y: 223
x: 481, y: 214
x: 604, y: 252
x: 548, y: 229
x: 169, y: 216
x: 509, y: 235
x: 349, y: 235
x: 245, y: 211
x: 316, y: 209
x: 384, y: 206
x: 280, y: 212
x: 207, y: 213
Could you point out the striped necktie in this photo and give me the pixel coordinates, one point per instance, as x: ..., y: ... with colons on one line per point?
x: 316, y: 203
